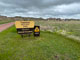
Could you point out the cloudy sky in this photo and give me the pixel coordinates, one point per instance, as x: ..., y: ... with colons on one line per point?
x: 41, y: 8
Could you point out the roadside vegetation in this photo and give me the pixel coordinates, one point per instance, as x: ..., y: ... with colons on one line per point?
x: 49, y: 46
x: 5, y: 21
x: 67, y: 27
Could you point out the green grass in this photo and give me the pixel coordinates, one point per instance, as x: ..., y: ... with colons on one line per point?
x: 49, y: 46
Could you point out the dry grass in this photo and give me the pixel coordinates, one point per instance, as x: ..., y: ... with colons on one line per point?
x: 72, y: 28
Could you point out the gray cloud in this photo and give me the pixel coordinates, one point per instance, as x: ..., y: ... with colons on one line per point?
x: 41, y: 8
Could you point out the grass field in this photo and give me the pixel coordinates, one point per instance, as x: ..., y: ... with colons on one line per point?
x: 71, y: 27
x: 5, y: 21
x: 49, y: 46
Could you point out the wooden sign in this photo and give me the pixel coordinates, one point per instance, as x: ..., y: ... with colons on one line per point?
x: 36, y: 31
x: 24, y: 27
x: 24, y: 24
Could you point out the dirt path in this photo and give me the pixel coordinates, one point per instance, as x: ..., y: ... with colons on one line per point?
x: 5, y: 26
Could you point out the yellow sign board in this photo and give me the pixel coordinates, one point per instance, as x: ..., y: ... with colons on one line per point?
x: 24, y: 24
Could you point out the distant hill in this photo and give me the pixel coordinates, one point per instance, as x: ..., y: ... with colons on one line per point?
x: 32, y: 18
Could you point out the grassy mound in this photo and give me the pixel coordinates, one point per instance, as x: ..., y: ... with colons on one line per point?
x: 49, y: 46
